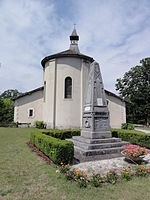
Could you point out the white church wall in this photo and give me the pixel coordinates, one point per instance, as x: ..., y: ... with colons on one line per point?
x: 117, y: 111
x: 33, y: 101
x: 68, y: 111
x: 57, y: 111
x: 48, y: 104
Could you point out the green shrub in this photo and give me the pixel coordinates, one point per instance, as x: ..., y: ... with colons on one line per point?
x: 134, y: 137
x: 124, y: 126
x: 40, y: 124
x: 130, y: 127
x: 62, y: 134
x: 6, y: 124
x: 57, y: 150
x: 127, y: 126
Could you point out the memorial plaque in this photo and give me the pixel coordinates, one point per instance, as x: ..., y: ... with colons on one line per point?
x: 99, y: 102
x: 87, y: 108
x: 101, y: 124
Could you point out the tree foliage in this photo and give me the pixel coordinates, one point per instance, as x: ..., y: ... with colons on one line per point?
x: 135, y: 88
x: 10, y: 94
x: 7, y: 106
x: 6, y: 110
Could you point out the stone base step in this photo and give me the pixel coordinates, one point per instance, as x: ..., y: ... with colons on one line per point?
x: 100, y: 154
x: 87, y: 149
x: 91, y: 152
x: 95, y: 134
x: 95, y: 141
x: 87, y: 146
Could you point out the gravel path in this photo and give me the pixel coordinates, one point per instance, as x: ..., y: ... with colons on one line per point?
x: 103, y: 166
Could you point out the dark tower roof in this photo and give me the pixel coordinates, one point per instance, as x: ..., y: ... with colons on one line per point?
x: 73, y: 51
x: 74, y: 35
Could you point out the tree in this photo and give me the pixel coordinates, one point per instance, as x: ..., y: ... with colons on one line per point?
x: 6, y: 110
x: 10, y: 94
x: 7, y: 106
x: 134, y: 87
x: 1, y: 110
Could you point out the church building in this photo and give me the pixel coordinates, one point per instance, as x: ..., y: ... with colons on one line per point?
x: 59, y: 102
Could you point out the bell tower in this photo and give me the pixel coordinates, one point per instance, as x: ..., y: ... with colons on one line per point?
x: 74, y: 38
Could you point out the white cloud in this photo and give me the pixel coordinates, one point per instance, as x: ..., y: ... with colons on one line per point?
x: 27, y: 33
x: 115, y: 33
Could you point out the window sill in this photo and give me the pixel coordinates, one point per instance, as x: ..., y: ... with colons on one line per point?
x: 67, y: 99
x: 30, y: 117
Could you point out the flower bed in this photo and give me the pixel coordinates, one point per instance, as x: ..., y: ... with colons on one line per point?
x: 134, y: 153
x: 98, y: 180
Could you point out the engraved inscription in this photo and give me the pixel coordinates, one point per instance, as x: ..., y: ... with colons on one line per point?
x: 101, y: 124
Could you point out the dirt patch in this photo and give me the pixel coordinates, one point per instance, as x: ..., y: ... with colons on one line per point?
x: 39, y: 153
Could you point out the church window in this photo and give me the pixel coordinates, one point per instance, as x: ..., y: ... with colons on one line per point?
x: 68, y: 88
x: 30, y: 112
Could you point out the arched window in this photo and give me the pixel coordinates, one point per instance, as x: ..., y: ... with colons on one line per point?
x: 68, y: 88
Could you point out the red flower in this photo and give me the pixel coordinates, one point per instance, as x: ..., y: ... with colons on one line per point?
x: 134, y: 150
x: 148, y: 170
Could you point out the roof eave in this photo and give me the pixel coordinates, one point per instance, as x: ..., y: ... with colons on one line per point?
x: 65, y: 55
x: 28, y: 93
x: 114, y: 95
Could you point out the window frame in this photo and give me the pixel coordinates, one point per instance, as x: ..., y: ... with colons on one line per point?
x: 65, y: 95
x: 32, y: 112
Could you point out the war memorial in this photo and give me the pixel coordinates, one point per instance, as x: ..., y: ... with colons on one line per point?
x: 95, y: 142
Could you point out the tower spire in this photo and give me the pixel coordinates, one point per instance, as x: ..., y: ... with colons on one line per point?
x: 74, y: 38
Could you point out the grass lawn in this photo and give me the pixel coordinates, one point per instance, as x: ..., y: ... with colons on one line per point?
x: 24, y: 175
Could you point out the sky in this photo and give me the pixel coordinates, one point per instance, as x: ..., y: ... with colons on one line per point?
x: 116, y: 33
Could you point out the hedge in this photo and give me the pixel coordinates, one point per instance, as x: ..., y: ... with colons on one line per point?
x: 40, y: 124
x: 57, y: 150
x: 62, y: 134
x: 134, y: 137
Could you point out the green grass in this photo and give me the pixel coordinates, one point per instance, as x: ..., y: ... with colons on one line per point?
x: 24, y: 175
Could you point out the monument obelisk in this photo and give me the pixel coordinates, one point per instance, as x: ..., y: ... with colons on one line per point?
x: 95, y: 142
x: 95, y: 114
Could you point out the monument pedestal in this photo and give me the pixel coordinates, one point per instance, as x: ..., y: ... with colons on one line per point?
x: 87, y: 149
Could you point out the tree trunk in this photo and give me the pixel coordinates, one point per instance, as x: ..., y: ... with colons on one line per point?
x: 148, y: 121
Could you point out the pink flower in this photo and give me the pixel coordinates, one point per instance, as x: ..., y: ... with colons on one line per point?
x: 134, y: 150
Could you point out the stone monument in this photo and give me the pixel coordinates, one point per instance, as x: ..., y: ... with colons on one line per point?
x: 95, y: 142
